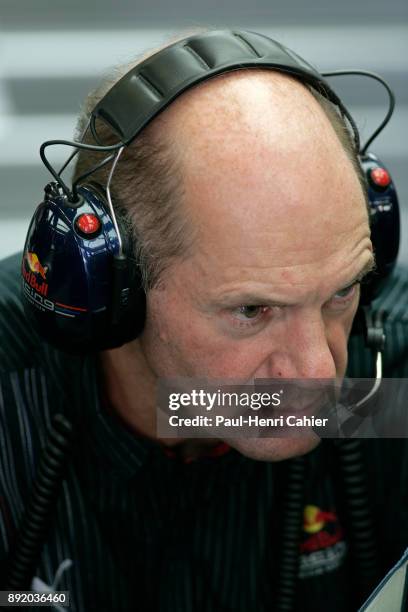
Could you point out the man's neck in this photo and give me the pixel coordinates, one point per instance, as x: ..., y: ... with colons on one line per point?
x: 129, y: 388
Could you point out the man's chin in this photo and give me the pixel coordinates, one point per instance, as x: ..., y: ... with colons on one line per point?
x: 274, y: 449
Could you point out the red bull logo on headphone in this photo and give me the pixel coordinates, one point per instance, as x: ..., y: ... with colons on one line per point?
x: 35, y: 265
x: 35, y: 270
x: 36, y: 288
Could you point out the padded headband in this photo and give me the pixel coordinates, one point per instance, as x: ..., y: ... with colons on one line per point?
x: 146, y: 90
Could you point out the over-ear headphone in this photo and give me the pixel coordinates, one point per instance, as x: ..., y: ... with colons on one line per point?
x: 81, y: 290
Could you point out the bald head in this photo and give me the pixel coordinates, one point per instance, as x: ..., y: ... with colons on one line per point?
x: 256, y: 131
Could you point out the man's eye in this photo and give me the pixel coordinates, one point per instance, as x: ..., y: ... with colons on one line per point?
x: 344, y: 296
x: 347, y: 292
x: 249, y: 312
x: 249, y: 318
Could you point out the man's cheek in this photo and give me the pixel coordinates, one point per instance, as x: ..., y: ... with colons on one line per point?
x: 200, y: 351
x: 178, y: 342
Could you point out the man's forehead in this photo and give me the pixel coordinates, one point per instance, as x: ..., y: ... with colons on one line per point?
x: 283, y: 248
x: 256, y: 198
x: 288, y: 277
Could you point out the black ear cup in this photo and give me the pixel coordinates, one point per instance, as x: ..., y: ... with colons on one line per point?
x: 384, y: 222
x: 77, y: 293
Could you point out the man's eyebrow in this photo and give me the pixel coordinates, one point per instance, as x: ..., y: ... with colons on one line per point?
x: 256, y: 299
x: 370, y: 266
x: 237, y: 299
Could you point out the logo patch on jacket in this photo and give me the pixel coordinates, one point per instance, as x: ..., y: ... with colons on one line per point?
x: 322, y: 548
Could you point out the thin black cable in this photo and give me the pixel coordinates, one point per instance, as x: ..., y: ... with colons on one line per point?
x: 77, y: 145
x: 94, y: 132
x: 391, y: 97
x: 71, y: 157
x: 68, y: 161
x: 89, y: 172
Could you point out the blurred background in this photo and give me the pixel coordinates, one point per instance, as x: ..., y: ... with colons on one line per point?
x: 52, y: 53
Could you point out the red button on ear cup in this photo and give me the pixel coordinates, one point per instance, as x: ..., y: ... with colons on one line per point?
x: 380, y: 177
x: 88, y: 225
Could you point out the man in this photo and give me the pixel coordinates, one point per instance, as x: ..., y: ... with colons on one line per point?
x: 254, y: 236
x: 239, y: 305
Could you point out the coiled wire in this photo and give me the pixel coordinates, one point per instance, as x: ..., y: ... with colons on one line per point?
x: 292, y: 513
x: 37, y: 518
x: 366, y: 567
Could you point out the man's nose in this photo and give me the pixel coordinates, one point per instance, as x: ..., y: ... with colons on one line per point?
x: 307, y: 353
